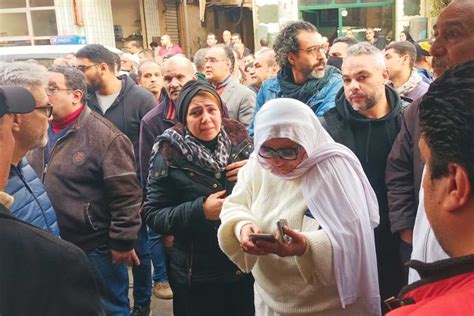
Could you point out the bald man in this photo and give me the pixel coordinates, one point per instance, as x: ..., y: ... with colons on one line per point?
x: 168, y: 48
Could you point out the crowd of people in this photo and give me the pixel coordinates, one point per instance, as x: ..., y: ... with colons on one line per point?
x: 308, y: 178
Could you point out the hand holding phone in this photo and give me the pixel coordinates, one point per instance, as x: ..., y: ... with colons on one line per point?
x: 280, y: 224
x: 265, y: 237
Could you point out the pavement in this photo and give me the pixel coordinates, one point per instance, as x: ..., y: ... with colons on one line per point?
x: 159, y: 307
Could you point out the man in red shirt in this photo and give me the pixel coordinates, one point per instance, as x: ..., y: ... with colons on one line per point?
x: 446, y: 145
x: 168, y: 48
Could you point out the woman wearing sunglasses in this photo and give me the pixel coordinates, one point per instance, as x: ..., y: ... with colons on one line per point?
x: 194, y: 166
x: 327, y: 266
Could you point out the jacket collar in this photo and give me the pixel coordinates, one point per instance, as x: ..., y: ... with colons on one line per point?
x: 6, y: 201
x: 439, y: 270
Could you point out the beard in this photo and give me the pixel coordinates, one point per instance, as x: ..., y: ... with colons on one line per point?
x: 94, y: 83
x: 371, y: 102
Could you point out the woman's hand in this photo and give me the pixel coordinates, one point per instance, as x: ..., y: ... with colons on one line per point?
x: 213, y: 205
x: 247, y: 244
x: 233, y: 169
x: 295, y: 247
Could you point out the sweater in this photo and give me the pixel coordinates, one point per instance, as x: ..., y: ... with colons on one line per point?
x: 256, y: 198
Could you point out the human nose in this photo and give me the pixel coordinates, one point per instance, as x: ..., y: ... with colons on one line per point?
x: 438, y: 49
x: 354, y: 85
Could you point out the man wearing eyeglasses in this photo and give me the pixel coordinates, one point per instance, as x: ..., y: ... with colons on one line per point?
x: 31, y: 201
x: 89, y: 173
x: 303, y: 73
x: 239, y: 100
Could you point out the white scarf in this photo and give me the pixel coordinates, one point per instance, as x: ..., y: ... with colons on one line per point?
x: 336, y: 191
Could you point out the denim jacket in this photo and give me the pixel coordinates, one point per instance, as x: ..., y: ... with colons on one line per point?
x: 320, y: 103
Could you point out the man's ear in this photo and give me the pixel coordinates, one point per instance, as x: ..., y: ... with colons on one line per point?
x: 458, y: 188
x: 291, y: 58
x: 16, y: 123
x: 77, y: 96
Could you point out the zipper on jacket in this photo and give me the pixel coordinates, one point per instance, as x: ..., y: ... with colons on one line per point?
x: 45, y: 165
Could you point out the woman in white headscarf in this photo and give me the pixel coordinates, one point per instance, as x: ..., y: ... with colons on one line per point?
x: 298, y: 173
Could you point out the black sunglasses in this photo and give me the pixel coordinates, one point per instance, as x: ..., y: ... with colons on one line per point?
x: 283, y: 153
x: 46, y: 109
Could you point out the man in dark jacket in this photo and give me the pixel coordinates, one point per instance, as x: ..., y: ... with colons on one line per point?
x: 32, y: 204
x: 367, y: 119
x: 123, y: 103
x: 176, y: 72
x: 89, y: 173
x: 40, y: 274
x: 404, y: 165
x: 447, y: 148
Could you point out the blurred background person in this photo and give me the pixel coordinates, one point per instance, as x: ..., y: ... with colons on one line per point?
x: 211, y: 40
x: 424, y: 61
x: 338, y: 50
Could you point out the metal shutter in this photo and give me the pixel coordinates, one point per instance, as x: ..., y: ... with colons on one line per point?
x: 171, y: 21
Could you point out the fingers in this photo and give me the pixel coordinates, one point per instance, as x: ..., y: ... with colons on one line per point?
x: 135, y: 260
x: 217, y: 195
x: 236, y: 164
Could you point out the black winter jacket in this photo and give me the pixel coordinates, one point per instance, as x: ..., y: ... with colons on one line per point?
x: 174, y: 206
x: 131, y: 105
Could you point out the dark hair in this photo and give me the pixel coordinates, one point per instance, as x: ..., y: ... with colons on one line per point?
x: 73, y: 77
x: 134, y: 43
x: 408, y: 36
x: 237, y: 34
x: 446, y: 116
x: 346, y: 39
x: 264, y: 42
x: 212, y: 34
x: 286, y: 41
x: 154, y: 45
x: 97, y: 54
x: 404, y: 48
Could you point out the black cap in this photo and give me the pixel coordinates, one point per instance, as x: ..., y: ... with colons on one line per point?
x: 14, y: 99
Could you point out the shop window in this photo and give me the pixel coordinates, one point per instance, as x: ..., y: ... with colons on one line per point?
x: 41, y: 3
x: 310, y: 3
x: 29, y: 21
x: 12, y: 4
x: 44, y: 23
x: 13, y: 24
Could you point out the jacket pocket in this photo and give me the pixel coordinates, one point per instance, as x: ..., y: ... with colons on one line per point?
x: 88, y: 218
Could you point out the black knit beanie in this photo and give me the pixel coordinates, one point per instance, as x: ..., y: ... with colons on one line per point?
x: 188, y: 92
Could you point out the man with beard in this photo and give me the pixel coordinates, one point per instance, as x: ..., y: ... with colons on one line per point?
x: 303, y: 72
x: 366, y: 119
x: 31, y: 204
x: 123, y: 103
x: 453, y: 46
x: 40, y: 273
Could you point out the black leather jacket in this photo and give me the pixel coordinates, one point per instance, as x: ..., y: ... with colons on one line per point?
x: 176, y: 191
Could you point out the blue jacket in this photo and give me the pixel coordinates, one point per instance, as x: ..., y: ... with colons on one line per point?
x: 320, y: 103
x: 32, y: 204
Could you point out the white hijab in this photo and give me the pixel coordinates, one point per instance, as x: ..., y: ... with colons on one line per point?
x: 336, y: 191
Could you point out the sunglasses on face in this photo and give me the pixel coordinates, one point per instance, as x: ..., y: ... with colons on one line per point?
x: 283, y: 153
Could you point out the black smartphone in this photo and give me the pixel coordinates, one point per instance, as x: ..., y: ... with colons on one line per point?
x: 266, y: 237
x: 280, y: 223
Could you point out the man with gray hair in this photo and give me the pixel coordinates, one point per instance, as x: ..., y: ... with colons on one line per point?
x: 89, y: 173
x: 31, y: 201
x: 367, y: 119
x: 303, y: 73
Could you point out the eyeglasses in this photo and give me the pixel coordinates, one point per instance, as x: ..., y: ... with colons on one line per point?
x: 84, y: 68
x: 283, y: 153
x: 50, y: 91
x: 212, y: 60
x: 46, y: 109
x: 314, y: 50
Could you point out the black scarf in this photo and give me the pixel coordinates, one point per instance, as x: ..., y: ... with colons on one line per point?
x: 303, y: 92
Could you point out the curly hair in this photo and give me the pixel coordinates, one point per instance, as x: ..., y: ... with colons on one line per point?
x: 446, y: 116
x: 286, y: 41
